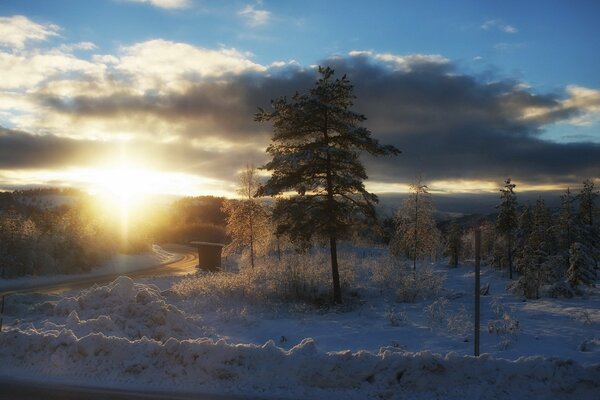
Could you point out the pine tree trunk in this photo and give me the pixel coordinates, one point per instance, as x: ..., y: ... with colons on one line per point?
x: 251, y: 241
x: 335, y: 274
x: 416, y: 227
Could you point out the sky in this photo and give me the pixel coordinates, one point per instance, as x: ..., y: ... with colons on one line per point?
x: 158, y: 96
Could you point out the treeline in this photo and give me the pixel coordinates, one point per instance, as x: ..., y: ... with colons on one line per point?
x: 58, y: 240
x: 551, y: 252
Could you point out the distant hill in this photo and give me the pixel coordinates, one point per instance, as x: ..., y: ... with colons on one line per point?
x: 454, y: 205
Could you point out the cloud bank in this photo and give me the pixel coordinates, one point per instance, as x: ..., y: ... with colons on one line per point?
x: 191, y: 109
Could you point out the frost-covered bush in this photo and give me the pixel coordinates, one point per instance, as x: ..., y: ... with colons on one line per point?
x: 439, y: 316
x: 396, y: 318
x: 425, y: 283
x: 408, y: 285
x: 460, y: 323
x: 505, y: 326
x: 436, y: 312
x: 304, y: 277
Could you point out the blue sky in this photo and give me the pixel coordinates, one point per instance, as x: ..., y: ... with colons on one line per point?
x: 553, y: 43
x: 68, y: 62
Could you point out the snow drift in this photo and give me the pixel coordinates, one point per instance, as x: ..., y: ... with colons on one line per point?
x: 126, y: 334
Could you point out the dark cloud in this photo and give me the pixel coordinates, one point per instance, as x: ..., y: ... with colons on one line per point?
x: 23, y: 151
x: 449, y: 125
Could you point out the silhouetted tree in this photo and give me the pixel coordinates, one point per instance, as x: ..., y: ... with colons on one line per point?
x: 316, y: 143
x: 507, y: 219
x: 582, y: 270
x: 587, y: 202
x: 454, y: 243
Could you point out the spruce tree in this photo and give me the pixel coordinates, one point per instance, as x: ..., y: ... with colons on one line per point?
x: 582, y: 270
x: 566, y: 228
x: 454, y: 244
x: 315, y: 148
x: 589, y: 226
x: 506, y: 223
x: 587, y: 202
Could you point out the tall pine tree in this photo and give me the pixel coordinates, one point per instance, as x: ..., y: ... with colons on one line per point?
x: 315, y: 148
x: 587, y: 202
x: 507, y: 219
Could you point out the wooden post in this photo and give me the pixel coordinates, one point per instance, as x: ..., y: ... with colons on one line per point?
x: 477, y: 290
x: 1, y: 313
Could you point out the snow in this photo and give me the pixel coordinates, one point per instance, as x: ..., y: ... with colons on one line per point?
x: 120, y: 263
x: 142, y: 334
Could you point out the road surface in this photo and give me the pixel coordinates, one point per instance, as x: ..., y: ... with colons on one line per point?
x: 15, y: 389
x: 186, y: 264
x: 18, y: 389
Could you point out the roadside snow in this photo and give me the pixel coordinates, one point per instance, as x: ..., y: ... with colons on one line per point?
x: 141, y: 334
x: 121, y: 263
x: 301, y: 372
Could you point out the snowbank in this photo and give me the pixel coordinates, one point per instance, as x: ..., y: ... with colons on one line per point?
x: 126, y: 334
x: 124, y: 309
x: 216, y: 366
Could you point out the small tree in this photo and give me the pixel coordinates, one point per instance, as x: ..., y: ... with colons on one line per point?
x: 454, y: 244
x: 587, y: 202
x: 416, y: 234
x: 536, y: 263
x: 507, y: 219
x: 582, y: 269
x: 588, y: 227
x: 316, y: 143
x: 567, y: 227
x: 247, y: 218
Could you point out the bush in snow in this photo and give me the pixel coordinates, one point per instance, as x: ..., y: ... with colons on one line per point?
x: 504, y: 326
x: 396, y: 318
x: 422, y: 284
x: 436, y: 312
x: 560, y: 289
x: 303, y: 277
x: 461, y: 322
x: 438, y: 316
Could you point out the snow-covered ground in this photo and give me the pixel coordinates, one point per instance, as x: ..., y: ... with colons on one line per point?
x: 143, y: 334
x: 119, y: 264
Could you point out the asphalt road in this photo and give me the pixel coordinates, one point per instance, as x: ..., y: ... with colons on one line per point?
x: 15, y: 389
x: 181, y: 266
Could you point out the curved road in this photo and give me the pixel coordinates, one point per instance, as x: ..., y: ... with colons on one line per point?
x: 186, y: 264
x: 25, y: 389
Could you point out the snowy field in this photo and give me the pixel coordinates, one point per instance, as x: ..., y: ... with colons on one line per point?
x: 149, y: 334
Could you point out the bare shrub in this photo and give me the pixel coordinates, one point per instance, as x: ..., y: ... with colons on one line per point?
x: 396, y: 318
x: 506, y: 327
x: 303, y: 277
x: 460, y: 323
x: 436, y: 312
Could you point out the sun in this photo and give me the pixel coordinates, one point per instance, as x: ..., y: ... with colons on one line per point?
x: 125, y: 187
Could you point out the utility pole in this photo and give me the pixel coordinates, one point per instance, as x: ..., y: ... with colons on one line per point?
x: 477, y: 290
x: 1, y: 313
